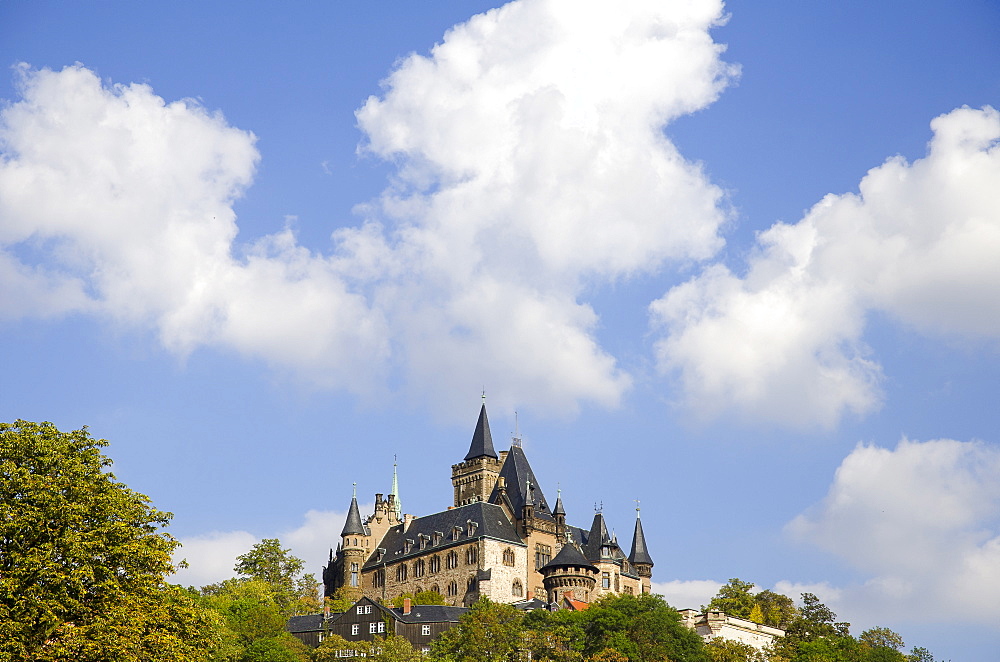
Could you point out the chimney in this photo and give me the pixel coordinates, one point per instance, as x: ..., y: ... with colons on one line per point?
x: 406, y: 606
x: 326, y: 611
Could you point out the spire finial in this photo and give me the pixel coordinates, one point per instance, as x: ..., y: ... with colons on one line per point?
x: 355, y: 493
x: 516, y: 440
x: 395, y: 488
x: 484, y: 395
x: 636, y: 507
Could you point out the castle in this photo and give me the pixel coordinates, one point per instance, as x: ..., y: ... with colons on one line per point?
x: 500, y: 540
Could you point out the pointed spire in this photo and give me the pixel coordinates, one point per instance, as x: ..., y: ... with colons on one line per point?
x: 482, y: 440
x: 639, y: 553
x: 559, y: 504
x: 597, y: 539
x: 395, y: 490
x: 353, y: 525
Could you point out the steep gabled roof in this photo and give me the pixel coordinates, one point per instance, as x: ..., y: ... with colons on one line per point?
x: 639, y: 553
x: 517, y: 473
x: 482, y: 440
x: 353, y: 526
x: 430, y: 614
x: 489, y: 519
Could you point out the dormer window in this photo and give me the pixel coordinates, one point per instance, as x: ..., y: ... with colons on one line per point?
x: 456, y: 532
x: 437, y: 537
x: 472, y: 526
x: 424, y: 539
x: 379, y: 553
x: 407, y: 545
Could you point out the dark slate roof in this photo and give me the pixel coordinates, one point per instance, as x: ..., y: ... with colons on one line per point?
x: 490, y: 519
x: 517, y: 473
x: 531, y: 605
x: 559, y: 507
x: 429, y: 614
x: 482, y: 440
x: 353, y: 525
x: 579, y: 535
x: 597, y: 538
x: 639, y: 553
x: 307, y: 623
x: 569, y: 555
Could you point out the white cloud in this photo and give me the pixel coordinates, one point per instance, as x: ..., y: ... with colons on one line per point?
x: 920, y: 521
x: 531, y: 165
x: 212, y: 556
x: 785, y: 342
x: 687, y: 594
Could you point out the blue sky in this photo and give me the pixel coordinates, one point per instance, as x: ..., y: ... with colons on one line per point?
x: 718, y: 259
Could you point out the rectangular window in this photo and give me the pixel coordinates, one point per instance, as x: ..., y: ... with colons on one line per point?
x: 368, y: 609
x: 381, y: 626
x: 371, y: 628
x: 355, y: 627
x: 605, y: 580
x: 361, y: 609
x: 425, y: 630
x: 543, y: 554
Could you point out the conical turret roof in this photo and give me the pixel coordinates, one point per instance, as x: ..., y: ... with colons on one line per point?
x: 482, y: 440
x: 639, y: 553
x: 597, y: 538
x: 569, y: 555
x: 559, y: 510
x: 353, y: 525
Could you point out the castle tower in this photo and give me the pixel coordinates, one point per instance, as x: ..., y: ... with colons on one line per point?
x: 475, y: 477
x: 569, y: 571
x: 344, y: 569
x: 639, y: 556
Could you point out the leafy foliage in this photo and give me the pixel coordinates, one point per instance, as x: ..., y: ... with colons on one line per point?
x: 489, y: 631
x: 83, y: 558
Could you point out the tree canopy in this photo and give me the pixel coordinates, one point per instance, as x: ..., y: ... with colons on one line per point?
x: 83, y: 558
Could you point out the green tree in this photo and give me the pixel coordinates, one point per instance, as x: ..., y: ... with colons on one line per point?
x: 729, y: 650
x: 735, y: 598
x: 920, y: 654
x: 488, y: 631
x: 555, y: 636
x: 643, y: 628
x: 778, y: 610
x: 83, y: 558
x: 421, y: 598
x: 268, y: 562
x: 255, y: 620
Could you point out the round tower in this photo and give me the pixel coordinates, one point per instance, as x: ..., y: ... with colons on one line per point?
x: 569, y: 572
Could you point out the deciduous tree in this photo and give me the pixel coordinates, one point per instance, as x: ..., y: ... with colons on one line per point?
x: 83, y: 558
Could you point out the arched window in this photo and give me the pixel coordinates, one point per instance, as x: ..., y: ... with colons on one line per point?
x: 452, y: 560
x: 517, y: 590
x: 508, y: 556
x: 452, y: 589
x: 418, y: 568
x: 401, y: 572
x: 354, y: 574
x: 378, y: 579
x: 435, y: 563
x: 470, y: 586
x: 472, y: 556
x: 436, y: 589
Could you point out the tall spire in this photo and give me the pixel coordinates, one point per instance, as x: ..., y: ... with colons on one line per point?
x: 395, y: 490
x: 353, y: 525
x: 639, y: 553
x: 482, y: 440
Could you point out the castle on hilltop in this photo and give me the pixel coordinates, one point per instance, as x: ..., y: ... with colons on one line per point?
x: 500, y: 540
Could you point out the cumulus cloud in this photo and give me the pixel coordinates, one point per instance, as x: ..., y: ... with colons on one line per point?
x: 211, y: 556
x: 785, y: 342
x: 920, y: 522
x: 531, y: 165
x: 687, y: 594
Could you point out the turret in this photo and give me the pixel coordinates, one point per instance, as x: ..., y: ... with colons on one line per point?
x: 474, y: 478
x: 559, y: 514
x: 344, y: 568
x: 639, y: 556
x: 569, y: 571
